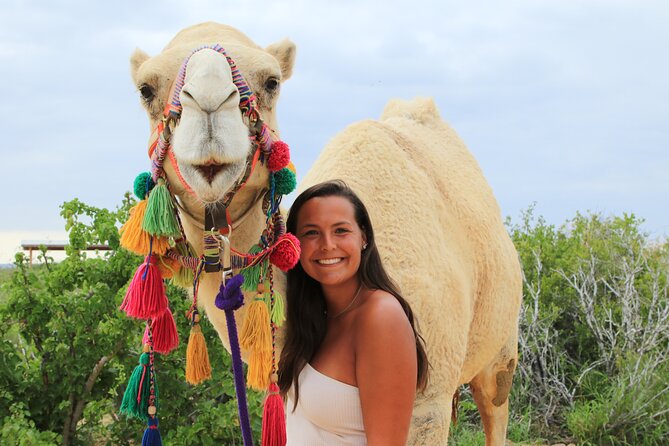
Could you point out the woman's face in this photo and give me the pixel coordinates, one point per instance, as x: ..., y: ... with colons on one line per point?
x: 330, y: 239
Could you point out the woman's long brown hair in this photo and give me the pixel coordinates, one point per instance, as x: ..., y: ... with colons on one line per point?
x: 305, y: 320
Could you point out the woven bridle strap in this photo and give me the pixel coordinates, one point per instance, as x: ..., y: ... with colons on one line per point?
x: 259, y: 133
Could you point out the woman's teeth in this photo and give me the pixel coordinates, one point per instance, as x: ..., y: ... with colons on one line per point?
x: 329, y: 261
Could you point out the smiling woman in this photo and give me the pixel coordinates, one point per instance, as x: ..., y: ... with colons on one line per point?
x: 343, y: 313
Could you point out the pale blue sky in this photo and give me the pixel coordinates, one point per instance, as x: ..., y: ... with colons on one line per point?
x: 563, y: 103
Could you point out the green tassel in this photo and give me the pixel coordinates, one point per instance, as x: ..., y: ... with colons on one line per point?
x: 252, y: 274
x: 285, y: 181
x: 140, y: 377
x: 160, y: 219
x: 185, y: 276
x: 277, y: 315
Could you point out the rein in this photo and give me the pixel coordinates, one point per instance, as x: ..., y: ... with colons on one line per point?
x: 155, y: 230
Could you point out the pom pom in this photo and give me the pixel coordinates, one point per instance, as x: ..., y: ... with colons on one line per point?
x: 273, y: 419
x: 198, y: 367
x: 137, y: 240
x: 160, y: 219
x: 230, y: 296
x: 279, y: 156
x: 152, y: 434
x: 259, y: 370
x: 286, y: 252
x: 165, y: 336
x: 143, y: 185
x: 145, y: 298
x: 285, y: 181
x: 136, y: 397
x: 255, y: 334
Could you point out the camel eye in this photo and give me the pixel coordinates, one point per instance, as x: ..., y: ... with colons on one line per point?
x: 146, y: 92
x: 271, y: 85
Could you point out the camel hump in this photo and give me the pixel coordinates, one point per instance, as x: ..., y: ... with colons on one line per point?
x: 422, y: 110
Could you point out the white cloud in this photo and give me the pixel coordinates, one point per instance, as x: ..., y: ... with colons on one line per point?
x: 542, y: 92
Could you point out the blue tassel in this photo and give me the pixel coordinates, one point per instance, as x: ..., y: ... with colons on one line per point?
x: 152, y: 434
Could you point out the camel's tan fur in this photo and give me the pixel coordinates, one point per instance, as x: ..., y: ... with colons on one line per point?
x: 437, y: 223
x: 441, y: 236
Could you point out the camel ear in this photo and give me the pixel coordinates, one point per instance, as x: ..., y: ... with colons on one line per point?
x: 284, y: 51
x: 136, y: 61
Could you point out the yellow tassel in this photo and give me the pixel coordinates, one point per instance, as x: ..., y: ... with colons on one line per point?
x: 198, y: 368
x: 256, y: 334
x: 168, y: 267
x: 137, y: 240
x: 259, y: 370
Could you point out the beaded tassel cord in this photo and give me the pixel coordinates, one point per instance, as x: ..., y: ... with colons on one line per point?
x: 273, y: 418
x: 152, y: 434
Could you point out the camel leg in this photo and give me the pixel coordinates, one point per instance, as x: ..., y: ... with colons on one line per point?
x: 431, y: 420
x: 490, y: 389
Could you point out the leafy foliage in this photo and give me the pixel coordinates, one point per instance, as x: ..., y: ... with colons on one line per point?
x: 67, y: 351
x: 594, y: 335
x: 594, y: 343
x: 594, y: 330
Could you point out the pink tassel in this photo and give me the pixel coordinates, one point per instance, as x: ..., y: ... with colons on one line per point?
x: 273, y: 419
x: 145, y: 298
x: 165, y: 336
x: 145, y: 338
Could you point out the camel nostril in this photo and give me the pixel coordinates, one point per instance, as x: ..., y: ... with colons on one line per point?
x: 186, y: 95
x: 232, y: 97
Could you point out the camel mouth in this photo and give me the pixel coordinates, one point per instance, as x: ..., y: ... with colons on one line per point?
x: 210, y: 169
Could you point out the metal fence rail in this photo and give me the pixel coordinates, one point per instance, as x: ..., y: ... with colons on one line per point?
x: 36, y: 245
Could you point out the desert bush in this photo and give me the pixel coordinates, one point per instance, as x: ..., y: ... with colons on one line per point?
x: 67, y: 351
x: 594, y: 330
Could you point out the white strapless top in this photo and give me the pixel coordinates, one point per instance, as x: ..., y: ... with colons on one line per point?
x: 328, y: 412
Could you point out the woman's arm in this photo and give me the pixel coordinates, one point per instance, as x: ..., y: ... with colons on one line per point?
x: 386, y: 369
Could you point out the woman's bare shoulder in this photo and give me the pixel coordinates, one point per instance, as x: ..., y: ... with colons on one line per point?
x: 381, y: 314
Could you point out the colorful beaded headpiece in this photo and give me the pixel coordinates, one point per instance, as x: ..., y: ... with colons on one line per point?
x: 154, y: 230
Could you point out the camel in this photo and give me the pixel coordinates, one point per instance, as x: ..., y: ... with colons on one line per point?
x: 438, y: 224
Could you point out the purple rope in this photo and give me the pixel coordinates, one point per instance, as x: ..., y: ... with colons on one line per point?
x: 230, y: 298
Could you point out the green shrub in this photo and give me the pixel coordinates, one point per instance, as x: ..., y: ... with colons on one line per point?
x: 631, y: 410
x: 594, y: 330
x: 59, y: 320
x: 19, y: 430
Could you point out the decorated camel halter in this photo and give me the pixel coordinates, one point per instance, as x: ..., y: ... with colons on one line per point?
x: 154, y: 230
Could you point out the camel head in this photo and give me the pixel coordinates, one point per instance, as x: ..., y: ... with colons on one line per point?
x: 210, y: 143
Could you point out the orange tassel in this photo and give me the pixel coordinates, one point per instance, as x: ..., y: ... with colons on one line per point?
x: 256, y: 334
x: 168, y: 266
x: 136, y: 239
x: 198, y: 368
x: 259, y: 370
